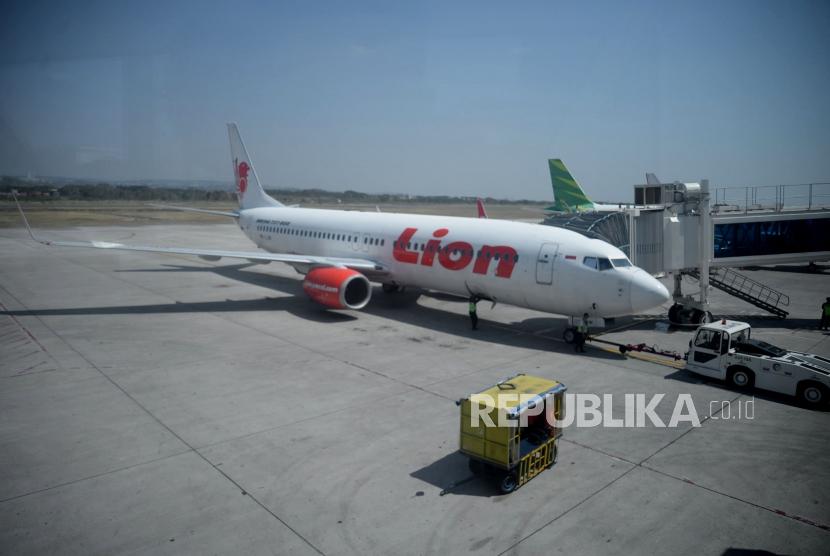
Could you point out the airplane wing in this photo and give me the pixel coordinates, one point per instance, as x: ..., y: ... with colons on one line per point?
x: 300, y: 262
x: 194, y: 209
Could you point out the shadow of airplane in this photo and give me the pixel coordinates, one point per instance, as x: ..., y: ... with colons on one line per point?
x: 524, y: 334
x: 529, y: 333
x: 532, y: 333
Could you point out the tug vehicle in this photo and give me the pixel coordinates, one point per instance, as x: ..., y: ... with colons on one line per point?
x: 510, y: 431
x: 725, y: 350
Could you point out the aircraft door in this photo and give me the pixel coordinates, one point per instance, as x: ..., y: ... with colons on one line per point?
x: 545, y: 262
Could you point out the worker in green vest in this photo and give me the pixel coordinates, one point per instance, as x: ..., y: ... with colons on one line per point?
x: 581, y: 334
x: 825, y: 314
x: 473, y: 315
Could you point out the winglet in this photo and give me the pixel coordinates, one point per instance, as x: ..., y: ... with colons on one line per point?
x: 480, y: 206
x: 26, y: 220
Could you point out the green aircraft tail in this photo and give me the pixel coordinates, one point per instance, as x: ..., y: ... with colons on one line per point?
x: 567, y: 195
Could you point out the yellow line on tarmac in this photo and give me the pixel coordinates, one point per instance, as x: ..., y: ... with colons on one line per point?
x: 651, y: 358
x: 624, y: 326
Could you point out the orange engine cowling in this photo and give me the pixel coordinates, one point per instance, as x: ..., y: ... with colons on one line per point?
x: 338, y: 288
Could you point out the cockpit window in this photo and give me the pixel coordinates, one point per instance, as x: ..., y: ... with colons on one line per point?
x: 604, y: 264
x: 620, y: 262
x: 590, y: 262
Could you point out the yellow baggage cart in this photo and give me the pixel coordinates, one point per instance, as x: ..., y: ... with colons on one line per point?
x: 510, y: 431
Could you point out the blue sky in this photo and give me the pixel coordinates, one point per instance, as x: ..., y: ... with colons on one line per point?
x: 462, y: 98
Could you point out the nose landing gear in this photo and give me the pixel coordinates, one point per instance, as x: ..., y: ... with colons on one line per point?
x: 684, y: 315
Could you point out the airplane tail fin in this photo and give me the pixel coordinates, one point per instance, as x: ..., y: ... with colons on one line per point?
x: 480, y: 206
x: 651, y: 179
x: 567, y: 193
x: 248, y: 188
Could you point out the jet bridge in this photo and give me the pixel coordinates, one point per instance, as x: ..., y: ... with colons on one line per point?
x: 675, y: 228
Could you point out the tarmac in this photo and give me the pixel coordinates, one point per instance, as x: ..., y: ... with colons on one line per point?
x: 155, y: 404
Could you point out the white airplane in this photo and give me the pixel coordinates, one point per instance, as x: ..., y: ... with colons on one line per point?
x: 340, y: 252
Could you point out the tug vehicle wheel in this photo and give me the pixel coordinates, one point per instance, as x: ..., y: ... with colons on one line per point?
x: 740, y: 377
x: 569, y: 335
x: 812, y: 394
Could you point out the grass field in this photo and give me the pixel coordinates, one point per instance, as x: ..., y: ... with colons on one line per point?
x: 62, y: 214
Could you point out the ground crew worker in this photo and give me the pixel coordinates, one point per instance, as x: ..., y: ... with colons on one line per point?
x: 473, y: 315
x: 825, y: 314
x: 581, y: 334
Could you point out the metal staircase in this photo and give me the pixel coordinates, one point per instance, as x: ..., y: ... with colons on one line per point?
x: 745, y: 288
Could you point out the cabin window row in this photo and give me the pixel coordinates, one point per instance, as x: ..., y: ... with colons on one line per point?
x: 319, y: 235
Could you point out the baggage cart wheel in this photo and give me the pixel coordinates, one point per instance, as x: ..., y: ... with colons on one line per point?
x: 508, y: 483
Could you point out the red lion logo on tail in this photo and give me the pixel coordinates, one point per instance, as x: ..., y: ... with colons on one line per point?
x: 242, y: 170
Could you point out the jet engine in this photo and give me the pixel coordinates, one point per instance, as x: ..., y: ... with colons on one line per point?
x: 337, y: 288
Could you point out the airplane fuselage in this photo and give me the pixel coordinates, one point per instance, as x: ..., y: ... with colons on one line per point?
x: 539, y: 267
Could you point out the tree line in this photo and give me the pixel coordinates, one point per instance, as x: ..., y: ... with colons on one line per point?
x: 101, y: 191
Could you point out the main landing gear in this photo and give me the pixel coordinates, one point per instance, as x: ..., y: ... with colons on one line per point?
x: 391, y: 288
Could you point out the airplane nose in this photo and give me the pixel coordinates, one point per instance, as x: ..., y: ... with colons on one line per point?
x: 647, y: 292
